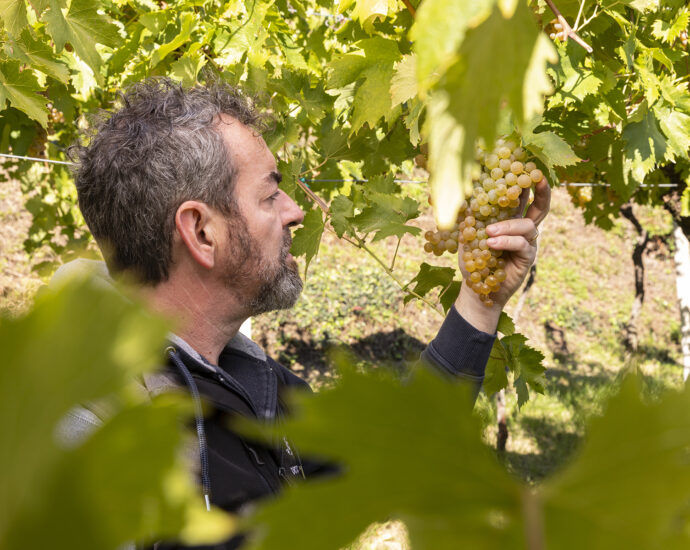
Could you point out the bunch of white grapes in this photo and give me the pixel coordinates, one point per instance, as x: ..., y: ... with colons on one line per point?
x: 580, y: 194
x: 496, y: 197
x: 54, y: 115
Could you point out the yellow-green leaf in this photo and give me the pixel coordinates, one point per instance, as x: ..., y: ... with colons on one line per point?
x: 367, y: 12
x: 404, y: 81
x: 13, y: 15
x: 438, y: 31
x: 645, y: 146
x: 21, y: 89
x: 188, y: 22
x: 307, y: 238
x: 450, y: 177
x: 82, y: 27
x: 372, y: 65
x: 38, y: 55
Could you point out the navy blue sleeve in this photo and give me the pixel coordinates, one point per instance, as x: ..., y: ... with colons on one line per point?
x: 460, y: 350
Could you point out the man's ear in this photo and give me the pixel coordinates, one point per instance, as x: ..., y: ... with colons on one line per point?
x: 194, y: 222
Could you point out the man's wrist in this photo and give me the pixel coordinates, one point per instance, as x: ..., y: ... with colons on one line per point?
x: 471, y: 308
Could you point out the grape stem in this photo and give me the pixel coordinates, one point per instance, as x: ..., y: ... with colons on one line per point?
x: 322, y: 205
x: 410, y: 7
x: 568, y: 31
x: 313, y: 196
x: 598, y: 131
x: 359, y: 243
x: 395, y: 254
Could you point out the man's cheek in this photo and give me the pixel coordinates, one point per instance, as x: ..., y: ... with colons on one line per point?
x: 292, y: 264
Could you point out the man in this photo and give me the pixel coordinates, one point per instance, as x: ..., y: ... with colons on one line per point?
x: 181, y: 193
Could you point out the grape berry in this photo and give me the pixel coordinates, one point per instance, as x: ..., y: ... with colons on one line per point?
x: 495, y: 197
x: 55, y: 116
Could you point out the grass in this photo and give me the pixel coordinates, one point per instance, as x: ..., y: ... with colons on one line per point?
x: 17, y: 281
x: 574, y: 314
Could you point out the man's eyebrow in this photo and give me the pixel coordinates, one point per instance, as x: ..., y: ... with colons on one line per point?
x: 276, y: 177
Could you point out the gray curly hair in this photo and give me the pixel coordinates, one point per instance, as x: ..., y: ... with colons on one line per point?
x: 161, y: 147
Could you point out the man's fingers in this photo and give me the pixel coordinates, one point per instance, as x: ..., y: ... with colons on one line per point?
x: 541, y: 204
x: 517, y: 226
x: 513, y: 243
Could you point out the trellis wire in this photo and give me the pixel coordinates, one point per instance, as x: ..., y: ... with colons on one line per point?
x: 578, y: 184
x: 353, y: 180
x: 35, y: 159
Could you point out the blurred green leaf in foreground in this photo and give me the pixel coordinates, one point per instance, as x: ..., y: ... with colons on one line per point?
x: 413, y: 452
x: 126, y: 481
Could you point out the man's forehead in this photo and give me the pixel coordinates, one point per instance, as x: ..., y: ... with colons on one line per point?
x: 244, y: 144
x: 235, y: 132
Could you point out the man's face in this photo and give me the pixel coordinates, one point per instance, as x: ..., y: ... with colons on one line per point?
x: 257, y: 264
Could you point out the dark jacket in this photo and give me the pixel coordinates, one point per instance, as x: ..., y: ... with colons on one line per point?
x: 246, y: 382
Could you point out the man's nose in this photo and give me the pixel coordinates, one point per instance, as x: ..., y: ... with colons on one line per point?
x: 293, y: 214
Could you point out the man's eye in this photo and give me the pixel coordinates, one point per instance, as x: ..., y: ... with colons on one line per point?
x: 274, y: 196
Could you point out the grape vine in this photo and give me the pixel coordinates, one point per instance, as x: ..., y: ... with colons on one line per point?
x: 361, y: 91
x: 358, y: 91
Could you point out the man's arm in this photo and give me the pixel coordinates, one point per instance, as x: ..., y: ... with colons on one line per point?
x: 460, y: 350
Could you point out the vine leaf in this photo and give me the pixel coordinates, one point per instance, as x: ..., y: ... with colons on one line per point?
x: 404, y: 81
x: 634, y: 455
x: 536, y: 78
x: 307, y: 238
x: 551, y: 149
x: 644, y: 65
x: 387, y: 214
x: 669, y: 32
x: 22, y: 90
x: 418, y: 431
x: 438, y: 31
x: 39, y: 6
x: 526, y: 365
x: 188, y: 22
x: 495, y: 375
x: 231, y: 44
x: 450, y: 295
x: 507, y: 46
x: 187, y: 67
x: 639, y: 5
x: 367, y: 12
x: 342, y: 210
x: 429, y: 277
x: 676, y: 94
x: 82, y: 27
x: 574, y: 81
x: 450, y: 177
x: 372, y: 67
x: 13, y: 14
x: 411, y: 120
x: 674, y: 125
x: 96, y: 342
x: 494, y: 58
x: 645, y: 146
x: 142, y: 494
x: 506, y: 326
x: 39, y: 55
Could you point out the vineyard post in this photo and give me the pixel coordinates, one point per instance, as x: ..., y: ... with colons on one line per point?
x: 682, y: 261
x: 501, y: 411
x: 631, y: 337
